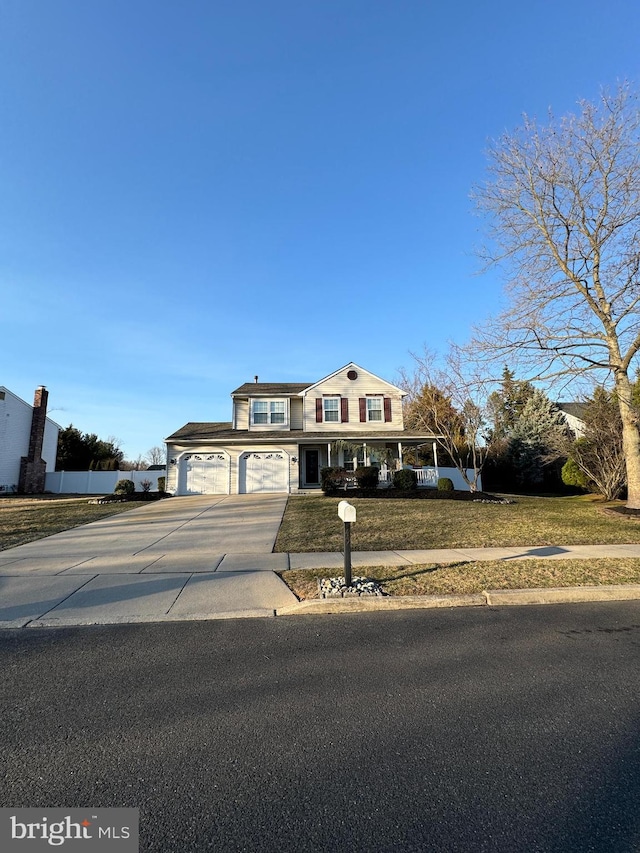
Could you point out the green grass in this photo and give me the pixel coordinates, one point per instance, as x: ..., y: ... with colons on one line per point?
x: 27, y: 519
x: 470, y: 577
x: 311, y: 524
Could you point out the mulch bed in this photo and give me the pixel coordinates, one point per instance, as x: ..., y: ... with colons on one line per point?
x: 135, y: 497
x: 415, y: 494
x: 624, y: 511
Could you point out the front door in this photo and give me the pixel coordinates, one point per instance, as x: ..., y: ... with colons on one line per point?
x: 311, y: 467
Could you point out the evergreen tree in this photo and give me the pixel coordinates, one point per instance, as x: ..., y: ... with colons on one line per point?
x: 85, y: 452
x: 505, y: 406
x: 533, y: 438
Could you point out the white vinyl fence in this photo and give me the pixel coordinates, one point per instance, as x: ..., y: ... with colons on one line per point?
x: 96, y: 482
x: 428, y: 477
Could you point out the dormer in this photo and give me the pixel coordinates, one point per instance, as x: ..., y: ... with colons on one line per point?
x: 268, y: 406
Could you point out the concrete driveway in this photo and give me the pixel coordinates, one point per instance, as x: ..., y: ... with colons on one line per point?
x: 184, y: 558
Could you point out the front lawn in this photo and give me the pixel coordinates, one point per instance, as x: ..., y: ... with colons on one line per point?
x: 311, y: 524
x: 25, y: 519
x: 469, y: 577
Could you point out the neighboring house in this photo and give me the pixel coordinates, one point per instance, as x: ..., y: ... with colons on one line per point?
x: 28, y: 442
x: 572, y: 413
x: 282, y: 434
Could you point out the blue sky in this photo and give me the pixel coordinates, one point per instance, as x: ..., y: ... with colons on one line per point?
x: 194, y: 193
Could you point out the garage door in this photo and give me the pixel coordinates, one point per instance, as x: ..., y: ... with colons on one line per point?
x: 205, y: 474
x: 263, y: 472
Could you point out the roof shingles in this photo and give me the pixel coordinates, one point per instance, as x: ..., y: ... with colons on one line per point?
x: 262, y: 389
x: 205, y: 431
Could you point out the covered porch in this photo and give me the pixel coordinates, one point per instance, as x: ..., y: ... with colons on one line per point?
x: 387, y: 456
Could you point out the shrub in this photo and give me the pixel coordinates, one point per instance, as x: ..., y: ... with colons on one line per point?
x: 145, y: 485
x: 405, y: 479
x: 574, y: 476
x: 125, y: 487
x: 332, y: 479
x: 367, y: 477
x: 162, y: 484
x: 445, y: 484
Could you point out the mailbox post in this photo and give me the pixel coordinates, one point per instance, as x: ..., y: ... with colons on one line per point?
x: 347, y: 512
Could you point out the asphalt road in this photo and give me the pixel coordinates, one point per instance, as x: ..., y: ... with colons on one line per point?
x: 473, y: 729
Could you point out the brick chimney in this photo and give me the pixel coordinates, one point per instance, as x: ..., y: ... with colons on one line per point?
x: 33, y: 466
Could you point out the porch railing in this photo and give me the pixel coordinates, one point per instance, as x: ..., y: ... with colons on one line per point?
x: 426, y: 477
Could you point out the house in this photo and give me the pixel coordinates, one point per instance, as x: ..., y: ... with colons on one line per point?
x: 28, y: 442
x: 283, y: 433
x: 573, y: 415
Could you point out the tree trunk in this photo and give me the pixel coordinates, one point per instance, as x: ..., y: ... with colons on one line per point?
x: 630, y: 439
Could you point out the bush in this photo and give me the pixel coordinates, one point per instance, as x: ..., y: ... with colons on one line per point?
x: 367, y: 477
x: 332, y: 479
x: 145, y: 485
x: 162, y: 484
x: 405, y: 479
x: 574, y: 476
x: 445, y: 484
x: 125, y: 487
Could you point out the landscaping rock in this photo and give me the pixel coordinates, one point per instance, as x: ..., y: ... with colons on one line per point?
x: 337, y: 588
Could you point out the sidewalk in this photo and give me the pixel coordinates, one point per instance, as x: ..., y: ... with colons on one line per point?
x: 456, y: 555
x: 40, y: 587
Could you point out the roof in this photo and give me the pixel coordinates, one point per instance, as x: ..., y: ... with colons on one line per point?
x: 574, y: 409
x: 284, y: 389
x: 279, y: 389
x: 218, y: 432
x: 202, y: 430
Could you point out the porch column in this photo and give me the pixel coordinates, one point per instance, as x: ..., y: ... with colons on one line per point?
x: 435, y: 454
x: 364, y: 453
x: 400, y: 453
x: 329, y: 454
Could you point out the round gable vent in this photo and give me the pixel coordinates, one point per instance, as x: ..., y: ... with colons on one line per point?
x: 352, y: 374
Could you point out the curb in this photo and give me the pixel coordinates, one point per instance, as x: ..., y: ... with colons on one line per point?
x: 486, y: 598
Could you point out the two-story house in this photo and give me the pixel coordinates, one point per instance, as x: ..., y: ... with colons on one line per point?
x: 282, y: 434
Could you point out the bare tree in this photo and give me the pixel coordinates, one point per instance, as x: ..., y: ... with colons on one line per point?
x: 564, y: 209
x: 449, y: 401
x: 156, y: 455
x: 598, y: 453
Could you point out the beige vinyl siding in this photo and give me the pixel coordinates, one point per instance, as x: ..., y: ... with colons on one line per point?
x: 241, y: 414
x: 173, y: 452
x: 339, y: 385
x: 297, y: 413
x: 235, y: 454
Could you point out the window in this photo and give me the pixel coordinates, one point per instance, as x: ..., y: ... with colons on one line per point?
x: 268, y: 411
x: 331, y: 409
x: 374, y: 408
x: 352, y: 461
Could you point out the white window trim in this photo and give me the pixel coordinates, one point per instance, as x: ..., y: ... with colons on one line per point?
x: 380, y: 401
x: 268, y: 401
x: 337, y: 410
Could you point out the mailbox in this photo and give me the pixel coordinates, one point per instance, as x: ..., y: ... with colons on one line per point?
x: 346, y: 511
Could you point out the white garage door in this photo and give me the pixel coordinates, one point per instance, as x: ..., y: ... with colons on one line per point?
x: 263, y: 472
x: 205, y: 474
